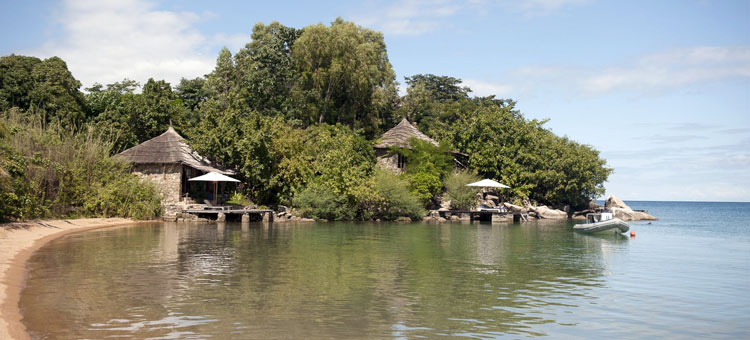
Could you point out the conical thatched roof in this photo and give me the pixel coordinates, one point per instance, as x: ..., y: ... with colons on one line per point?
x: 399, y: 136
x: 168, y: 148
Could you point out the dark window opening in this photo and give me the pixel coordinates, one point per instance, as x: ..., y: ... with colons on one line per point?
x: 401, y: 161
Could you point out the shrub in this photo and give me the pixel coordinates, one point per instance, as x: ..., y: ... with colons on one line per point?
x: 425, y: 187
x: 239, y: 199
x: 461, y: 196
x: 127, y: 196
x: 320, y: 202
x: 52, y: 172
x: 395, y: 198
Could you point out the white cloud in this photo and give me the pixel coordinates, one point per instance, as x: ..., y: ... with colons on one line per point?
x: 545, y: 6
x: 106, y: 41
x: 651, y: 73
x: 409, y: 17
x: 672, y: 69
x: 483, y: 89
x: 417, y: 17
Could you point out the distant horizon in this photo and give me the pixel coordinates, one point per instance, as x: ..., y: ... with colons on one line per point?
x: 658, y: 88
x: 630, y: 200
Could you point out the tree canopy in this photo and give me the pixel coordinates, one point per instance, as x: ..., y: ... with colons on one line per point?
x: 296, y: 112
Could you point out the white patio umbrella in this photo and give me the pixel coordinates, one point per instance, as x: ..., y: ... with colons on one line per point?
x: 214, y: 177
x: 487, y: 183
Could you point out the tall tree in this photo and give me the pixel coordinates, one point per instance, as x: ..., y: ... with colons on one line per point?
x: 16, y: 82
x: 43, y: 87
x: 266, y: 69
x: 344, y: 76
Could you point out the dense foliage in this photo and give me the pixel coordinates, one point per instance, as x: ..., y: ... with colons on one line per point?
x: 296, y: 112
x: 461, y: 196
x: 50, y: 172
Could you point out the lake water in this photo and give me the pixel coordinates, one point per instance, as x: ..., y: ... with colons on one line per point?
x: 684, y: 276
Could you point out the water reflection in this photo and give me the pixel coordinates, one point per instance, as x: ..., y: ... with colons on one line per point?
x: 314, y: 281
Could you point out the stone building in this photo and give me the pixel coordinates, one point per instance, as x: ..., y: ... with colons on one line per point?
x: 397, y: 137
x: 169, y: 162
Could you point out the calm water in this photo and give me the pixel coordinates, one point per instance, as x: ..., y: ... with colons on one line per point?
x: 685, y: 276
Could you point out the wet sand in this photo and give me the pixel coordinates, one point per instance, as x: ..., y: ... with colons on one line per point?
x: 17, y: 242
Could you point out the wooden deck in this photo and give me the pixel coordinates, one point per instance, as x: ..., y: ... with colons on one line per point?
x: 245, y: 215
x: 486, y: 215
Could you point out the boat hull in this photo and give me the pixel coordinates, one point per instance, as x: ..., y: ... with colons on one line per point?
x: 608, y: 226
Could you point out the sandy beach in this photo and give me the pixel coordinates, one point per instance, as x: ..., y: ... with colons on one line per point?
x: 17, y: 242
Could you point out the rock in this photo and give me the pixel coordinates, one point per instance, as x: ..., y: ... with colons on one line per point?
x: 443, y: 209
x: 267, y: 217
x: 593, y: 205
x: 455, y: 218
x: 579, y: 218
x: 624, y: 212
x: 403, y: 219
x: 513, y: 207
x: 306, y: 220
x: 613, y: 201
x: 550, y: 214
x: 434, y: 214
x: 170, y: 218
x: 221, y: 217
x: 427, y: 219
x: 445, y: 204
x: 632, y: 215
x: 283, y: 209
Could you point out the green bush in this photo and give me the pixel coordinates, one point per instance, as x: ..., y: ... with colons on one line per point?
x: 239, y: 199
x: 461, y: 196
x: 321, y: 203
x: 52, y: 172
x: 395, y: 198
x: 425, y: 187
x: 127, y: 196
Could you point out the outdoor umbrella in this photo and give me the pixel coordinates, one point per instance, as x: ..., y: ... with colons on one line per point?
x: 487, y: 183
x: 214, y: 177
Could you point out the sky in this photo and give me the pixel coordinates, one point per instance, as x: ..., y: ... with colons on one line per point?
x: 659, y: 87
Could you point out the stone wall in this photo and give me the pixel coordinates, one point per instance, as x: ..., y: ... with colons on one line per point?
x: 166, y: 177
x: 387, y: 161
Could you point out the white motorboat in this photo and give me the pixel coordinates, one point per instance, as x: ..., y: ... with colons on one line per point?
x: 604, y: 222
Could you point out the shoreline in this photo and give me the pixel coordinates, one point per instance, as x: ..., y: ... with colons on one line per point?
x: 18, y: 241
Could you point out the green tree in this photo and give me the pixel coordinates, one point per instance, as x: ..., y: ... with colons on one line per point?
x: 265, y: 68
x: 16, y: 81
x: 43, y: 87
x: 344, y: 76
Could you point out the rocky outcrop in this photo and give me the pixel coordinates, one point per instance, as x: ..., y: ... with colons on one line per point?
x: 624, y: 212
x: 544, y: 212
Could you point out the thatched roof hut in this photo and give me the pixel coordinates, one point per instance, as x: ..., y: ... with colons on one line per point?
x: 168, y: 162
x: 169, y: 148
x: 400, y: 135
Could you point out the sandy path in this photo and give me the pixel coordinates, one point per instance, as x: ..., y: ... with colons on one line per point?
x: 17, y: 242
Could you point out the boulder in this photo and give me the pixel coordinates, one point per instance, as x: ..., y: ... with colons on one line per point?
x: 550, y: 214
x: 513, y: 207
x: 613, y: 201
x: 632, y: 215
x: 624, y: 212
x: 403, y: 219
